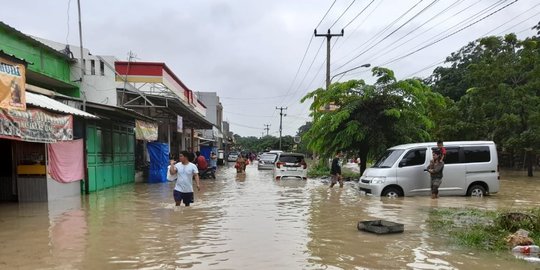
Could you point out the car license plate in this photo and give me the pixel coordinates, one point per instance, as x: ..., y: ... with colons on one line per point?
x: 292, y: 169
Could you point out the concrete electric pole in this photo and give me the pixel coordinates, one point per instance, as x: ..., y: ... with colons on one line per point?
x: 281, y: 122
x: 328, y: 37
x: 267, y: 128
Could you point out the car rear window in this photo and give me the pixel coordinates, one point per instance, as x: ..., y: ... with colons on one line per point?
x: 268, y: 157
x: 290, y: 159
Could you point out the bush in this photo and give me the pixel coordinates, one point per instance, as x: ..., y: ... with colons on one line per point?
x: 483, y: 229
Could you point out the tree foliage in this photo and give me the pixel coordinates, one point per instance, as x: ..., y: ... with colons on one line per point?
x: 370, y: 118
x: 495, y: 83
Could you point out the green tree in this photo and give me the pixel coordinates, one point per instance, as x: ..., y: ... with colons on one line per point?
x: 370, y: 118
x: 501, y: 101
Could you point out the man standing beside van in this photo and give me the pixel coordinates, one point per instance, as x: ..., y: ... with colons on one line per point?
x: 435, y: 169
x: 335, y: 171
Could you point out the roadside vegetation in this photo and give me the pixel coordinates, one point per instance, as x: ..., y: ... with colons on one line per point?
x: 484, y: 229
x: 318, y: 170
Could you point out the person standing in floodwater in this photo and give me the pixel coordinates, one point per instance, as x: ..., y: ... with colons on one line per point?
x: 185, y: 172
x: 435, y: 169
x: 335, y: 171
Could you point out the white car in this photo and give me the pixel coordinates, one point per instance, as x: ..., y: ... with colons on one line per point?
x: 266, y: 161
x: 233, y: 156
x: 290, y: 165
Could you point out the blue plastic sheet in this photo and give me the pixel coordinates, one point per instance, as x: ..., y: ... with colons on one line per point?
x: 159, y: 160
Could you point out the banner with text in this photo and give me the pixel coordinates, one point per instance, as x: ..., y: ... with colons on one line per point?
x: 146, y: 131
x: 35, y: 125
x: 12, y: 85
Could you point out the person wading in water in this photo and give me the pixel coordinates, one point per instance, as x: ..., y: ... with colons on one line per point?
x: 435, y: 169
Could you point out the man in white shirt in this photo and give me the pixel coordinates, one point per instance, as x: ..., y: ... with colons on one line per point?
x: 184, y: 171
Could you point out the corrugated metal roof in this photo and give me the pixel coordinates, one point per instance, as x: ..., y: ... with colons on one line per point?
x: 53, y: 105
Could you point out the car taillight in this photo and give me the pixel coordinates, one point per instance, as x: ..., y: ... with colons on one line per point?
x: 278, y: 164
x: 304, y: 165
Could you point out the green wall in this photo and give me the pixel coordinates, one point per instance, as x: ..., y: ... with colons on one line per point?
x: 42, y: 60
x: 111, y: 156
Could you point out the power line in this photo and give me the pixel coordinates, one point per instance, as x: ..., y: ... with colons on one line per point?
x: 319, y: 24
x: 362, y: 22
x: 468, y: 19
x: 395, y: 44
x: 510, y: 20
x: 359, y: 13
x: 505, y: 30
x: 449, y: 35
x: 380, y: 33
x: 345, y: 11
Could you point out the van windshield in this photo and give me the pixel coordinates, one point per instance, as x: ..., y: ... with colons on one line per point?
x: 388, y: 158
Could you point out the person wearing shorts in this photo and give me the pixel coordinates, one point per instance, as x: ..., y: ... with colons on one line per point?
x: 335, y: 171
x: 185, y: 172
x: 435, y: 169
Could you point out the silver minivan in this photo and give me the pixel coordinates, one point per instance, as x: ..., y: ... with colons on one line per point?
x: 470, y: 168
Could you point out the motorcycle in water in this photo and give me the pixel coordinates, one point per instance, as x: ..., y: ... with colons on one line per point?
x: 208, y: 174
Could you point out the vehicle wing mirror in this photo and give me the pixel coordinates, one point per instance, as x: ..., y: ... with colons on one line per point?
x: 402, y: 163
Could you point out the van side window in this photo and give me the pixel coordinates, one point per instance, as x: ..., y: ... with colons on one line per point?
x: 452, y: 155
x: 413, y: 158
x: 476, y: 154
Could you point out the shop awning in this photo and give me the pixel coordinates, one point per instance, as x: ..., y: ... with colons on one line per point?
x: 53, y: 105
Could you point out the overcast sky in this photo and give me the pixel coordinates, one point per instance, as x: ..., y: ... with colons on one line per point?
x: 249, y: 51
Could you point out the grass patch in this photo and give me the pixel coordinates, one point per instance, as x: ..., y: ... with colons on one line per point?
x: 318, y: 170
x: 484, y: 229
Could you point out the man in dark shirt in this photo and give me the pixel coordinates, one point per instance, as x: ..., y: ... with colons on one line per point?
x: 335, y: 171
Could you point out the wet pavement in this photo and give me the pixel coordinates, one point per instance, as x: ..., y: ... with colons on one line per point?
x: 245, y: 222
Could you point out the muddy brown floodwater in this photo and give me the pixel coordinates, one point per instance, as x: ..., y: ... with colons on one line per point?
x: 248, y: 222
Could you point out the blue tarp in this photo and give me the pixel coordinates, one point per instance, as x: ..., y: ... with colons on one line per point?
x: 159, y: 160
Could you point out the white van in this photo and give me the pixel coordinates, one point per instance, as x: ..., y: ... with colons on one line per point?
x: 470, y: 168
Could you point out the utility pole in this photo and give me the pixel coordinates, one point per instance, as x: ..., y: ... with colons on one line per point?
x: 328, y: 37
x: 280, y: 122
x: 267, y: 128
x: 82, y: 55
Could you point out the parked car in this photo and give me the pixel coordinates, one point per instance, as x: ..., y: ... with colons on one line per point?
x: 290, y: 165
x: 233, y: 156
x: 266, y: 161
x: 470, y: 168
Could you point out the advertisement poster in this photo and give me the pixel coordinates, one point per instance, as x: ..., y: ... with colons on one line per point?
x: 179, y: 124
x: 12, y: 85
x: 34, y: 125
x: 146, y: 131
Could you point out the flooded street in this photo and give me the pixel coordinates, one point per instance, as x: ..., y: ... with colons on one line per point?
x: 244, y: 222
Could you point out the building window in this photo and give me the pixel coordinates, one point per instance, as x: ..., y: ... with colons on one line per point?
x: 101, y: 68
x: 92, y: 67
x: 84, y: 66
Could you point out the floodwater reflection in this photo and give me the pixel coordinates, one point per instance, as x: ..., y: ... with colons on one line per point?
x: 247, y: 221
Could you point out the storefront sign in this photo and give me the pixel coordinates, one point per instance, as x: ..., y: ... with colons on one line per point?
x: 35, y: 125
x: 179, y: 124
x: 146, y: 131
x: 12, y: 85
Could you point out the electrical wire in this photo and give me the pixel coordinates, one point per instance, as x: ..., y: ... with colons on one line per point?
x: 507, y: 29
x: 395, y: 45
x: 380, y: 33
x: 510, y: 20
x: 319, y: 24
x: 468, y: 19
x: 343, y: 13
x: 358, y: 15
x: 449, y: 35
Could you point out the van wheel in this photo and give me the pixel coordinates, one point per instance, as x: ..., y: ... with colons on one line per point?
x: 476, y: 191
x: 391, y: 192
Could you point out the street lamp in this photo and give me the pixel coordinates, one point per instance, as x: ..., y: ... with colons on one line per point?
x: 354, y: 68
